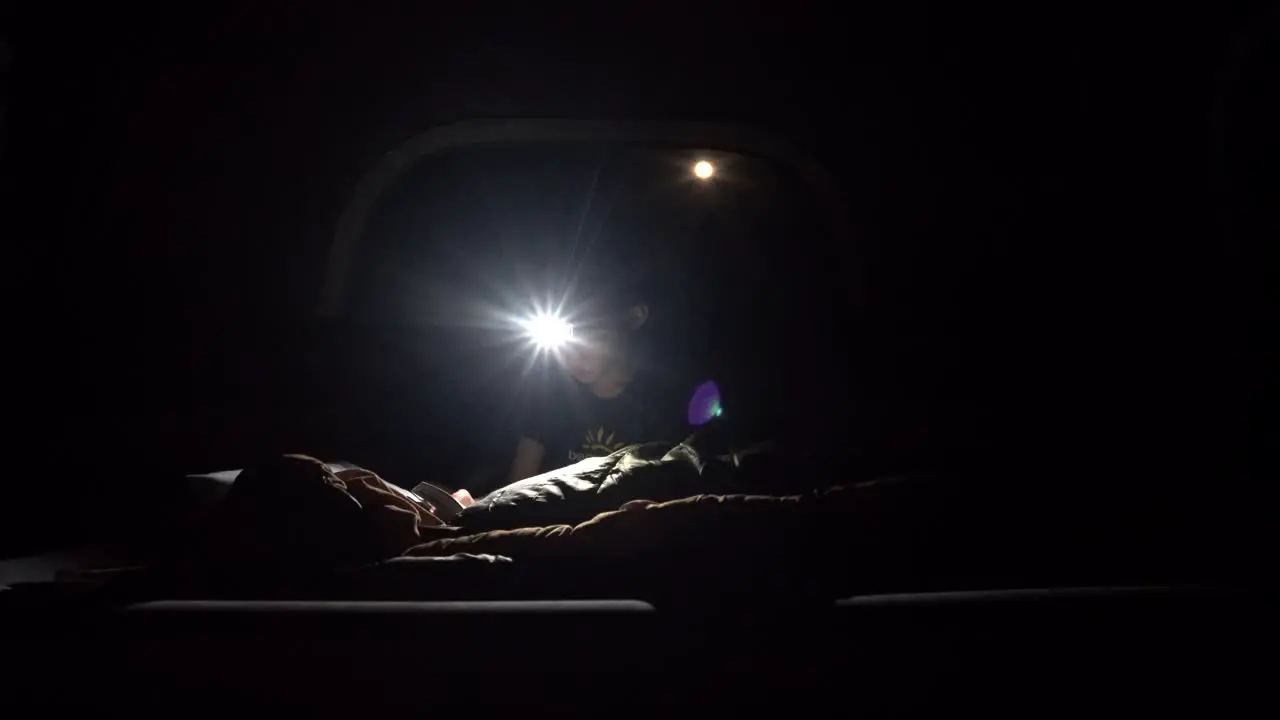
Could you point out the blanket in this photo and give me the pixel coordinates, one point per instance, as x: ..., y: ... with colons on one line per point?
x: 675, y: 520
x: 657, y: 472
x: 295, y: 511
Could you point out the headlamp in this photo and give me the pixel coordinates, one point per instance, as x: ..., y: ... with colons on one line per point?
x: 548, y: 331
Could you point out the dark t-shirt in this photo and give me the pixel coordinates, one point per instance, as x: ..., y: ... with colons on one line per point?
x: 573, y: 424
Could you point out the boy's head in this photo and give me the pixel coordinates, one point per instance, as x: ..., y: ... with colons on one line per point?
x: 604, y: 343
x: 611, y: 305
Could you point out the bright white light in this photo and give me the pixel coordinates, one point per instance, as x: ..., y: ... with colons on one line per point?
x: 703, y: 170
x: 548, y: 331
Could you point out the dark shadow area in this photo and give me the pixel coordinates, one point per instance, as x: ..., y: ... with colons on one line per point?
x: 1043, y: 258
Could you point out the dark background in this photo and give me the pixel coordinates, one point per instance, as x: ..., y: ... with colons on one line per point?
x: 1058, y: 219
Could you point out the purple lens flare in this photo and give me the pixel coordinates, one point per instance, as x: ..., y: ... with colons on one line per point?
x: 705, y: 405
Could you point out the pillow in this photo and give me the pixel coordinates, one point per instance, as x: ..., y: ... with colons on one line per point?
x: 295, y: 511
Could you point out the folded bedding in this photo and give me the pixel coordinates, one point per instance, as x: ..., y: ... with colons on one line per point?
x: 293, y: 519
x: 653, y: 471
x: 656, y: 522
x: 296, y: 509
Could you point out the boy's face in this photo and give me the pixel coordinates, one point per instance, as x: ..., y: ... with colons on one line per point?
x: 587, y: 359
x: 596, y: 349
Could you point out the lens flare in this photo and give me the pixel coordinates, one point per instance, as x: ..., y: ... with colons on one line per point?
x: 548, y: 331
x: 704, y: 406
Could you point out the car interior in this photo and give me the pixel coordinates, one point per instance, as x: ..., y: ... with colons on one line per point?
x: 987, y: 355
